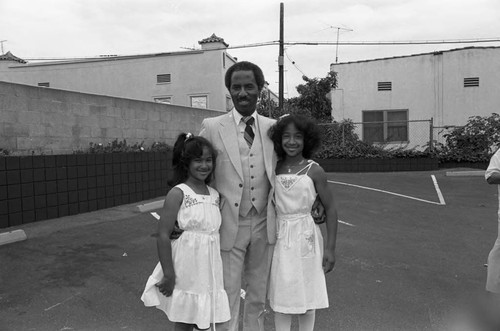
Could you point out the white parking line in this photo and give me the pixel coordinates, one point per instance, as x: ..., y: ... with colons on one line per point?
x: 440, y: 195
x: 440, y: 203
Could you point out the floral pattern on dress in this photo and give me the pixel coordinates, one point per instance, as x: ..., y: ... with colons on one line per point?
x: 287, y: 181
x: 190, y: 201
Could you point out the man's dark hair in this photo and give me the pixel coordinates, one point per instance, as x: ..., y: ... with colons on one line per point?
x: 245, y: 66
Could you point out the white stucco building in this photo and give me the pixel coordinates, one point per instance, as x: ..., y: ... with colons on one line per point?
x: 193, y: 78
x: 447, y: 86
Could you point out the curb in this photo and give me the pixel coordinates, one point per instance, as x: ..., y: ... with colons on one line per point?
x: 12, y: 236
x: 474, y: 173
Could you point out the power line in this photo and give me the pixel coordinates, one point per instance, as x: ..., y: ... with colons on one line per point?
x: 309, y: 43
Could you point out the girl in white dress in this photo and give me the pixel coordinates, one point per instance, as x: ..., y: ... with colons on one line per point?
x: 187, y: 283
x: 297, y: 283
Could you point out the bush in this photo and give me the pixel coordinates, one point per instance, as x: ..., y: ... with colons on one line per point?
x: 117, y: 146
x: 474, y: 142
x: 339, y: 141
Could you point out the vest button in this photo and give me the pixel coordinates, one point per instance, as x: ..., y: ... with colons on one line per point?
x: 252, y: 177
x: 253, y: 199
x: 252, y: 188
x: 241, y: 185
x: 251, y: 155
x: 251, y: 166
x: 236, y: 204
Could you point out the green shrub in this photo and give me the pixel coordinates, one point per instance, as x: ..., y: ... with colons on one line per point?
x: 474, y: 142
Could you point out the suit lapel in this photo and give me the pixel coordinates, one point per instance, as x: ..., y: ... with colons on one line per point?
x: 229, y: 138
x: 268, y: 150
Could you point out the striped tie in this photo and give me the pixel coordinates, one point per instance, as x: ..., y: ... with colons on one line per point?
x: 248, y: 135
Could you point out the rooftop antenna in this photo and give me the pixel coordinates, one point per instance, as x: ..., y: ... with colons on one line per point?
x: 337, y: 43
x: 1, y: 43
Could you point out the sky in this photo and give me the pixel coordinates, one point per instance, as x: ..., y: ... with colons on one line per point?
x: 34, y: 29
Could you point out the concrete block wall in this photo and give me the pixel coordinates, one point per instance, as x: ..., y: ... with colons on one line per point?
x: 48, y: 121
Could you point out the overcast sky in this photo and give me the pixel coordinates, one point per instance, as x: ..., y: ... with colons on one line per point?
x: 75, y: 28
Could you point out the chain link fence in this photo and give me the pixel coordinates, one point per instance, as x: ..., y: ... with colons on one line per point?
x: 412, y: 134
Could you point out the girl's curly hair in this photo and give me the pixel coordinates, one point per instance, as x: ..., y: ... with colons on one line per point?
x: 305, y: 125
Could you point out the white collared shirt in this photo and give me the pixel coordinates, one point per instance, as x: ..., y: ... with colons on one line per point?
x: 240, y: 124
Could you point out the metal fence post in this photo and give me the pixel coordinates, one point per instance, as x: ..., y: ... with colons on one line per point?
x: 431, y: 134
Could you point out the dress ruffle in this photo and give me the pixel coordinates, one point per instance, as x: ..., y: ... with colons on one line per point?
x: 192, y: 308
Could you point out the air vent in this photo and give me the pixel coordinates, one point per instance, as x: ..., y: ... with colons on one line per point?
x: 163, y: 78
x: 385, y: 86
x: 471, y: 81
x: 46, y: 84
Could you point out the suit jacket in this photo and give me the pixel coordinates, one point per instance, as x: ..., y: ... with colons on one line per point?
x: 221, y: 131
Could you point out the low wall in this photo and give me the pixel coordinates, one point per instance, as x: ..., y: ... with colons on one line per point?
x: 50, y: 121
x: 35, y: 188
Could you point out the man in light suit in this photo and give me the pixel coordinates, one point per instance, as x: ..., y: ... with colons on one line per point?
x: 244, y: 176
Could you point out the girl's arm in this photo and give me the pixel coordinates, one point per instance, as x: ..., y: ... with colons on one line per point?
x: 168, y: 216
x: 325, y: 193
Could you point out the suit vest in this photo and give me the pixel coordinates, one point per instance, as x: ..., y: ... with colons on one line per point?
x: 255, y: 182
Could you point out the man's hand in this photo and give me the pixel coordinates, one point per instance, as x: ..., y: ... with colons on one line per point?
x: 318, y: 212
x: 176, y: 232
x: 328, y: 261
x: 166, y: 285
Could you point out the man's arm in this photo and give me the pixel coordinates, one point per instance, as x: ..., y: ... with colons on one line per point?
x: 494, y: 178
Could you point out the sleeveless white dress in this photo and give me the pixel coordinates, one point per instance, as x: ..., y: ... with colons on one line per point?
x: 199, y: 296
x: 297, y: 281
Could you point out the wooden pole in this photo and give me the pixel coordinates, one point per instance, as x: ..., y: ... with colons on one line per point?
x: 280, y: 58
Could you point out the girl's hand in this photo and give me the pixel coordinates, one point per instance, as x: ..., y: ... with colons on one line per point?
x: 166, y: 285
x: 328, y: 261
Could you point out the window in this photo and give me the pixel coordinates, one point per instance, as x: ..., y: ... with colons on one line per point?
x: 163, y: 78
x: 471, y: 81
x: 385, y: 126
x: 167, y: 100
x: 199, y: 101
x: 384, y: 86
x: 45, y: 84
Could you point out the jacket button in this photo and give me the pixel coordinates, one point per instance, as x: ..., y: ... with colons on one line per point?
x: 253, y: 199
x: 252, y: 188
x: 236, y: 204
x: 241, y: 185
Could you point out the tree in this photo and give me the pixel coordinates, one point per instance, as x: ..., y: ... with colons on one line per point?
x: 313, y: 97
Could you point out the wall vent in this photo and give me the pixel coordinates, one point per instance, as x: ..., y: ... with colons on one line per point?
x: 471, y: 81
x: 384, y: 86
x: 163, y: 78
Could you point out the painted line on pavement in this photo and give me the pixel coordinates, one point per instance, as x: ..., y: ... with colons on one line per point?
x: 440, y: 195
x: 349, y: 224
x: 387, y: 192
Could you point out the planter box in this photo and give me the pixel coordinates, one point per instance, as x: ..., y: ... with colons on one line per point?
x: 378, y: 165
x: 474, y: 165
x: 35, y: 188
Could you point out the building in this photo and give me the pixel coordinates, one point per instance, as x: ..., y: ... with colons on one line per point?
x: 446, y: 86
x: 193, y: 78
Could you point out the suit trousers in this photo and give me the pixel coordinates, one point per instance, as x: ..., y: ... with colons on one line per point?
x: 250, y: 259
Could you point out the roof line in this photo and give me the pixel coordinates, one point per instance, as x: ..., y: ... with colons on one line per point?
x: 418, y: 54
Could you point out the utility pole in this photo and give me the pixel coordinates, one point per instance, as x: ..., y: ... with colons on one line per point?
x: 280, y: 59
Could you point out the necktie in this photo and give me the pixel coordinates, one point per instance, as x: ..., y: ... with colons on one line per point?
x: 248, y: 135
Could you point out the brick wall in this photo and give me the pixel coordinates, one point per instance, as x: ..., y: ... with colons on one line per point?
x: 50, y: 121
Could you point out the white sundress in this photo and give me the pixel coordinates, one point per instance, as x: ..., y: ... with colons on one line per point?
x: 199, y: 296
x: 297, y: 281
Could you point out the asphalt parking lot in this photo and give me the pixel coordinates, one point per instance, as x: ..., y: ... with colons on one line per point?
x: 407, y: 259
